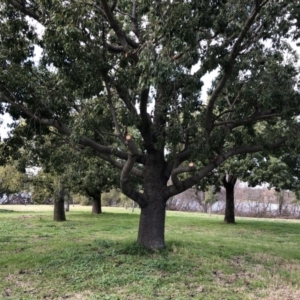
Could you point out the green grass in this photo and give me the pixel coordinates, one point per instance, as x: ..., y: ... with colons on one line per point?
x: 95, y: 257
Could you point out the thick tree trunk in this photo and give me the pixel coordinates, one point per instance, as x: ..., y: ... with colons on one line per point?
x: 59, y: 209
x: 152, y: 226
x: 152, y: 218
x: 96, y: 208
x: 229, y: 208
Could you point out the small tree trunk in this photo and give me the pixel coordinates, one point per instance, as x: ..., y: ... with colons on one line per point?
x: 97, y: 207
x: 280, y: 197
x: 204, y: 204
x: 229, y: 209
x: 133, y: 205
x: 67, y: 206
x: 152, y: 226
x: 59, y: 210
x: 67, y: 203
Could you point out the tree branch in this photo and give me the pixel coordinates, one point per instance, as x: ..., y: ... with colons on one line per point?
x: 143, y: 105
x: 125, y: 98
x: 125, y: 174
x: 228, y: 70
x: 114, y: 48
x: 233, y: 124
x: 146, y: 124
x: 189, y: 182
x: 113, y: 112
x: 22, y: 8
x: 183, y: 169
x: 134, y: 22
x: 119, y: 165
x: 231, y: 181
x: 125, y: 41
x: 114, y: 5
x: 223, y: 113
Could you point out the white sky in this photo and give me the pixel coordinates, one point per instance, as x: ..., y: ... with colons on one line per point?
x: 4, y: 120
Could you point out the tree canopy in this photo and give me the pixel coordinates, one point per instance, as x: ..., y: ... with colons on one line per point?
x: 124, y: 78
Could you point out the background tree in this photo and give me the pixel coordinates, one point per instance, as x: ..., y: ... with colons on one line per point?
x: 83, y: 172
x: 105, y: 62
x: 229, y: 182
x: 239, y: 167
x: 11, y: 180
x: 43, y: 188
x: 210, y: 197
x: 90, y: 176
x: 281, y: 173
x: 59, y: 202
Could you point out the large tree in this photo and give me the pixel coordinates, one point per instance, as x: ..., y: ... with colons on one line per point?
x: 124, y: 78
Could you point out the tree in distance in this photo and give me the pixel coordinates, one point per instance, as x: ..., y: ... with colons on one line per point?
x: 11, y: 180
x: 279, y: 169
x: 281, y: 173
x: 82, y: 172
x: 124, y: 79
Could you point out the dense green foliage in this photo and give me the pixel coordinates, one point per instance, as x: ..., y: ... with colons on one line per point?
x: 255, y: 82
x: 11, y: 180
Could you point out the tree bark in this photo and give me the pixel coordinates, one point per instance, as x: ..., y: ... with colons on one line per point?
x: 152, y: 225
x: 97, y: 207
x: 229, y: 208
x: 59, y: 209
x: 151, y: 233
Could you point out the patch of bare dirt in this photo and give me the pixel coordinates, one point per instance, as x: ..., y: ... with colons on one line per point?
x: 286, y: 293
x: 77, y: 296
x: 229, y: 279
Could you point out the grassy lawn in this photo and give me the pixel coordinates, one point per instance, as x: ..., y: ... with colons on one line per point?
x: 95, y: 257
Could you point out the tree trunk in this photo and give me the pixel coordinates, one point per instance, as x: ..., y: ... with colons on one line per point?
x: 152, y: 218
x: 59, y: 209
x: 280, y: 197
x: 97, y: 208
x: 152, y: 226
x: 96, y: 198
x: 67, y: 206
x: 229, y: 208
x: 67, y: 203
